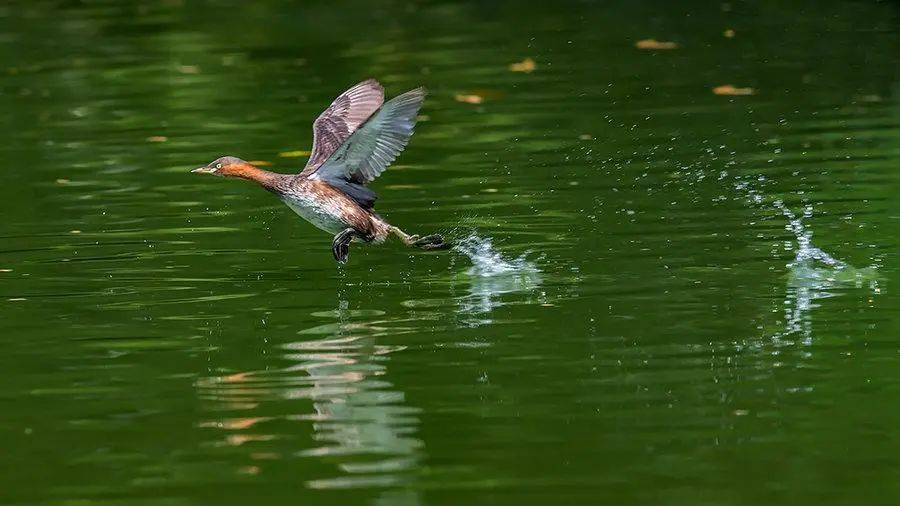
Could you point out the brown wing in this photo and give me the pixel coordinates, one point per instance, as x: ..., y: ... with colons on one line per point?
x: 334, y: 126
x: 372, y: 148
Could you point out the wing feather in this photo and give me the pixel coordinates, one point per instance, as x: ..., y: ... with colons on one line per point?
x: 370, y: 150
x: 337, y: 123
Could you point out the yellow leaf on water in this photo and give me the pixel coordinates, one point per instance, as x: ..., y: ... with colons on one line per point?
x: 728, y: 89
x: 243, y: 423
x: 294, y: 154
x: 527, y: 65
x: 237, y: 377
x: 469, y: 99
x: 729, y: 33
x: 260, y: 163
x: 157, y: 138
x: 62, y: 181
x: 655, y: 44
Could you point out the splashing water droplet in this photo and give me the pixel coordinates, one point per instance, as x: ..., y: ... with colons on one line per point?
x: 806, y: 251
x: 491, y: 275
x: 813, y: 274
x: 487, y: 261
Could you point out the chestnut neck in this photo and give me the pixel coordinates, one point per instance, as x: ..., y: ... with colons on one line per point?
x: 263, y: 177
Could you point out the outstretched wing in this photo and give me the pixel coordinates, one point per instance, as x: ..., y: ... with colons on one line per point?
x: 334, y: 126
x: 372, y: 148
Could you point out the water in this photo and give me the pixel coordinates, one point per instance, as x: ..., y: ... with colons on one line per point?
x: 658, y: 293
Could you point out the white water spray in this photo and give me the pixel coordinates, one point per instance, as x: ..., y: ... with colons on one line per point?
x: 487, y: 261
x: 491, y: 275
x: 814, y: 274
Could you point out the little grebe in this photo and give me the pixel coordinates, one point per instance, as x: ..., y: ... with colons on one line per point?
x: 354, y: 141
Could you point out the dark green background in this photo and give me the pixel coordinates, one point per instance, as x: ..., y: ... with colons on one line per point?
x: 173, y: 339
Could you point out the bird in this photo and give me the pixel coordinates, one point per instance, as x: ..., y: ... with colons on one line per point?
x: 354, y: 141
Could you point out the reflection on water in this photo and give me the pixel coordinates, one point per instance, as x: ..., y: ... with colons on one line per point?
x: 589, y: 343
x: 336, y: 383
x: 359, y: 420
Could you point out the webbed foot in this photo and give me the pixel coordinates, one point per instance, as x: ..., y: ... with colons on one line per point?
x: 340, y: 246
x: 433, y: 241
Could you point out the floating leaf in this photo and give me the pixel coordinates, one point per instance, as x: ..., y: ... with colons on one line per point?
x: 294, y: 154
x: 469, y: 99
x: 728, y: 89
x: 586, y: 137
x: 655, y: 44
x: 157, y: 138
x: 729, y: 33
x: 527, y: 65
x: 189, y: 69
x: 62, y: 181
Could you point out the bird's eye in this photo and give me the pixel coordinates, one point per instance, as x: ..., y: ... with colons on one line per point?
x: 218, y: 165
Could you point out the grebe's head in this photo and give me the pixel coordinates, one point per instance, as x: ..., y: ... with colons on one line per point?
x: 226, y: 166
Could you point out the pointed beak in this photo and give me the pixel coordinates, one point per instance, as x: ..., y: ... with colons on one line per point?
x: 203, y: 170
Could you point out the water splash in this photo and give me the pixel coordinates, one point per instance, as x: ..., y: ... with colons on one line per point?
x: 806, y: 251
x: 813, y: 274
x: 487, y: 261
x: 491, y: 275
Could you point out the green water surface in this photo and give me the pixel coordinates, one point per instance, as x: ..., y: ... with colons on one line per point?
x: 661, y: 294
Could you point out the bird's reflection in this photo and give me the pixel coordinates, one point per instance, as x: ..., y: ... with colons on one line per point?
x: 359, y: 419
x: 358, y: 413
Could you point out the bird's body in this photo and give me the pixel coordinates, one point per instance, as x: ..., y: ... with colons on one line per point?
x: 355, y: 140
x: 331, y: 210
